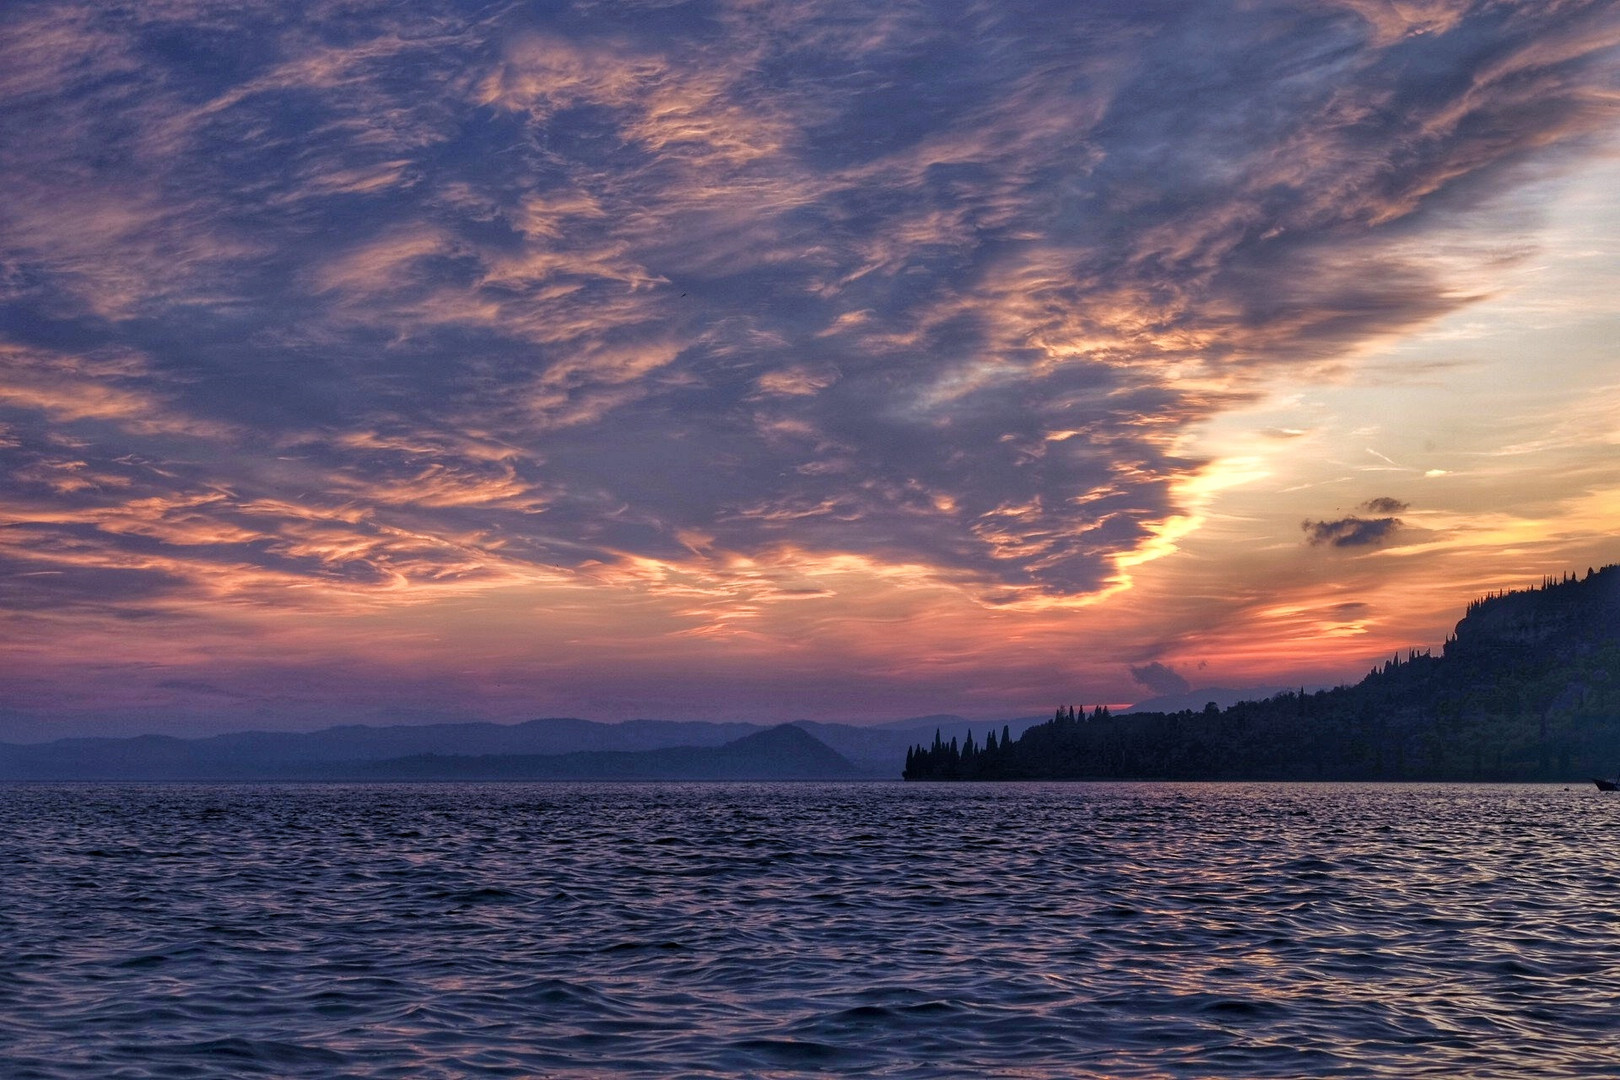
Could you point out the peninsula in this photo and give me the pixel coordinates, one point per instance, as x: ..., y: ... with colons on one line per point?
x: 1527, y: 688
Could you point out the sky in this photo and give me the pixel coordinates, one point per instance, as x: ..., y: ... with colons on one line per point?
x: 737, y: 360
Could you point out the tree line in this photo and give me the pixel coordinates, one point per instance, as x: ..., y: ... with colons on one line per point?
x: 1528, y: 688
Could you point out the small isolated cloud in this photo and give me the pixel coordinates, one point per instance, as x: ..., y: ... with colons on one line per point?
x: 1160, y: 678
x: 1350, y: 531
x: 1355, y: 530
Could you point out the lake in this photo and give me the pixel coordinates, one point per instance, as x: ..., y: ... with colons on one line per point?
x: 862, y: 929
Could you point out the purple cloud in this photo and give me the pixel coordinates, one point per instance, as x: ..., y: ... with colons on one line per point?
x: 363, y: 296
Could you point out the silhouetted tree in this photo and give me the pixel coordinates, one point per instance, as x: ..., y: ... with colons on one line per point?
x: 1528, y: 687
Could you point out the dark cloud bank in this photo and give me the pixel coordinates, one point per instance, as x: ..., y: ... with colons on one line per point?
x: 361, y: 294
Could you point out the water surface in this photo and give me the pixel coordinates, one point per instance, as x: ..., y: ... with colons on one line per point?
x: 669, y: 930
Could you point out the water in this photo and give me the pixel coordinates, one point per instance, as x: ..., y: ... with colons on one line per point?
x: 532, y: 930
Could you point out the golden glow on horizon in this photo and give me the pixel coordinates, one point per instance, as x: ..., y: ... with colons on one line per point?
x: 1197, y: 493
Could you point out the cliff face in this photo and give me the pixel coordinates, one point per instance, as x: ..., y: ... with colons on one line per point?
x: 1561, y: 615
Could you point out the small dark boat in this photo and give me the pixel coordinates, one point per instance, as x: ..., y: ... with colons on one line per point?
x: 1606, y: 785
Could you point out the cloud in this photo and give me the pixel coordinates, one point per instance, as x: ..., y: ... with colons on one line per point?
x: 380, y: 299
x: 1355, y: 530
x: 1160, y: 679
x: 1350, y: 531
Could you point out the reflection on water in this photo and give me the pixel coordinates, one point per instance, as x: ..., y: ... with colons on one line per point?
x: 1108, y: 930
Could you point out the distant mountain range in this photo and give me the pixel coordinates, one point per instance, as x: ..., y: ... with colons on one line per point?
x: 558, y: 748
x: 780, y: 753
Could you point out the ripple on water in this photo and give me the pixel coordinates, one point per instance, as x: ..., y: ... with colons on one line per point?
x: 1109, y: 930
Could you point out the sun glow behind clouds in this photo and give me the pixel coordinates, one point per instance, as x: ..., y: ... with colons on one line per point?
x: 802, y: 360
x: 1492, y: 433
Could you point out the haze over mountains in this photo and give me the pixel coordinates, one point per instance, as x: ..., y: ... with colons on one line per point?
x: 784, y: 752
x: 561, y: 747
x: 363, y: 751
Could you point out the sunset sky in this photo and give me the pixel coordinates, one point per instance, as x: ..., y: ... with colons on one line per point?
x: 837, y: 359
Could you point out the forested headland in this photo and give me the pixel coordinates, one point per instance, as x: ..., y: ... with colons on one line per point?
x: 1527, y: 688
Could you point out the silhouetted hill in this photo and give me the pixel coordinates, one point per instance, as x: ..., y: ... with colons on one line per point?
x: 450, y: 752
x: 1528, y: 688
x: 552, y: 735
x: 290, y: 755
x: 269, y: 755
x: 780, y: 753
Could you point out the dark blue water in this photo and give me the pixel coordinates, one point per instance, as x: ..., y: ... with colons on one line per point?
x: 1109, y: 930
